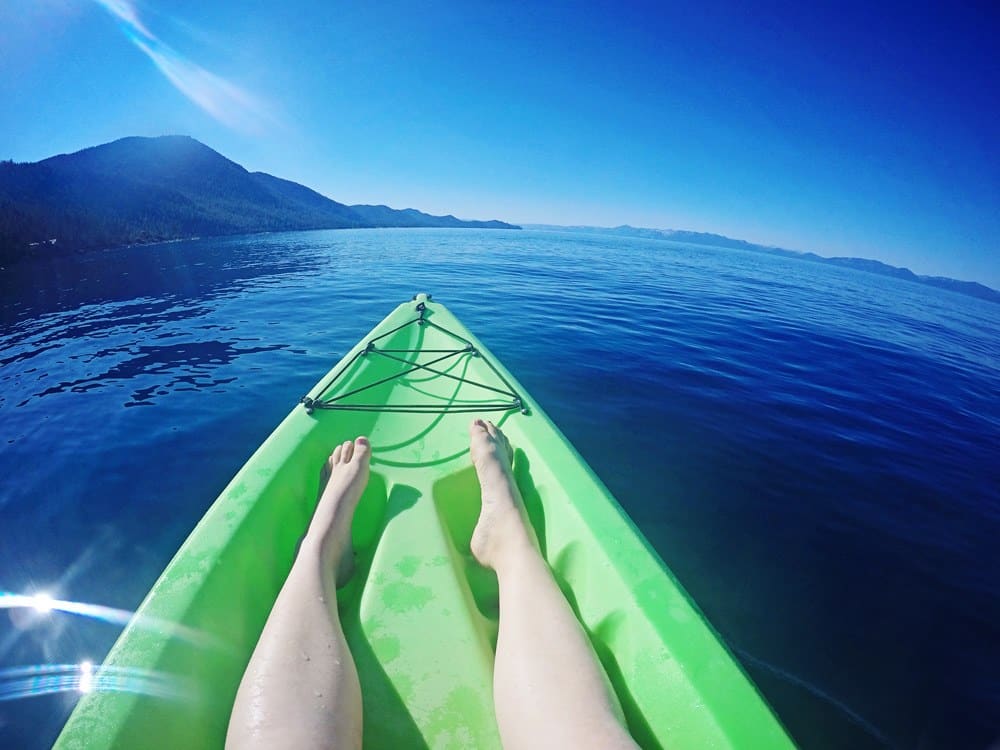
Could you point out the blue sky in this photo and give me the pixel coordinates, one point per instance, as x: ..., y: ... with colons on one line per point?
x: 866, y: 130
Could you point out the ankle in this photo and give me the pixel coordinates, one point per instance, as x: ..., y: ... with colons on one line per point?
x: 509, y: 536
x: 512, y: 552
x: 325, y: 545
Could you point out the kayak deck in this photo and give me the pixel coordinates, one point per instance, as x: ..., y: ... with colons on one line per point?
x: 419, y: 613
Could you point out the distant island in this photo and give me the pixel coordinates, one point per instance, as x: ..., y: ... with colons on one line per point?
x: 707, y: 239
x: 142, y: 190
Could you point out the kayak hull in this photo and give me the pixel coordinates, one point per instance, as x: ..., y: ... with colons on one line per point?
x: 420, y: 615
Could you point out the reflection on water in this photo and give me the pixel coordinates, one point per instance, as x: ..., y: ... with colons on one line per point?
x: 188, y: 367
x: 811, y: 449
x: 162, y: 275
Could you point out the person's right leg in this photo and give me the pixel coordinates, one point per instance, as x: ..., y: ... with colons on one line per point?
x: 300, y: 689
x: 549, y: 688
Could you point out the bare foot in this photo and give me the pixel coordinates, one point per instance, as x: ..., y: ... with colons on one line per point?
x: 502, y: 520
x: 342, y: 480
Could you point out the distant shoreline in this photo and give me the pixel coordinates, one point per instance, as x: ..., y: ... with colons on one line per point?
x: 707, y: 239
x: 46, y: 250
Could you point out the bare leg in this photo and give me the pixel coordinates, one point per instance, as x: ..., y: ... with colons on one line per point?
x: 301, y: 687
x: 549, y: 688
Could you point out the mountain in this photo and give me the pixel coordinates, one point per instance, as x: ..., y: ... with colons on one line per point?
x: 383, y: 216
x: 136, y: 190
x: 971, y: 288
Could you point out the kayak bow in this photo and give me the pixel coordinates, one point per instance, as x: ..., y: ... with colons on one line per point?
x: 419, y: 613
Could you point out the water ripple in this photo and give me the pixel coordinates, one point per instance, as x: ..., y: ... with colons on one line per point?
x: 812, y: 449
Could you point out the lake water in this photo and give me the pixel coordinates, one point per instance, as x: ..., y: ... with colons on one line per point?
x: 813, y: 450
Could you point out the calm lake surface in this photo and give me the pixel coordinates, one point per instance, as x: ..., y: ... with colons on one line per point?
x: 813, y: 450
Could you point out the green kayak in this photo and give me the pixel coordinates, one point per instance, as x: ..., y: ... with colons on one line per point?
x: 419, y: 613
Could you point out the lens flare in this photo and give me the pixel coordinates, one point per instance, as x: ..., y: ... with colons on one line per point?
x: 222, y: 99
x: 44, y: 603
x: 86, y: 677
x: 17, y: 683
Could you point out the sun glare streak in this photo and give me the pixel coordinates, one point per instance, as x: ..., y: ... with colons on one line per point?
x: 44, y: 603
x: 86, y: 677
x: 221, y: 99
x: 126, y: 13
x: 43, y: 679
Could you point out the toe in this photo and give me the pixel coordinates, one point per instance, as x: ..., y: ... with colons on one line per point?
x: 476, y: 427
x: 362, y: 448
x: 334, y: 458
x: 491, y: 428
x: 347, y: 452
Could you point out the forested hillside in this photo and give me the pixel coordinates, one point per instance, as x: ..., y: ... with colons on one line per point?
x: 138, y: 190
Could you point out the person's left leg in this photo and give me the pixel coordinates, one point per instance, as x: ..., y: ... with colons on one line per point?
x: 301, y: 687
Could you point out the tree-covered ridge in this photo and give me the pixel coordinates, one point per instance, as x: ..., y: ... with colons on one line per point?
x: 138, y: 190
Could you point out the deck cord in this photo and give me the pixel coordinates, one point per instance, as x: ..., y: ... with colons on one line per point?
x: 332, y: 404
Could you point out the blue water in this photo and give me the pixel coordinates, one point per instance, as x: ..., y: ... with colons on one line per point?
x: 813, y: 450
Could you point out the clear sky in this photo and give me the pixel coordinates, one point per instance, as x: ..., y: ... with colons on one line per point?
x: 866, y: 130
